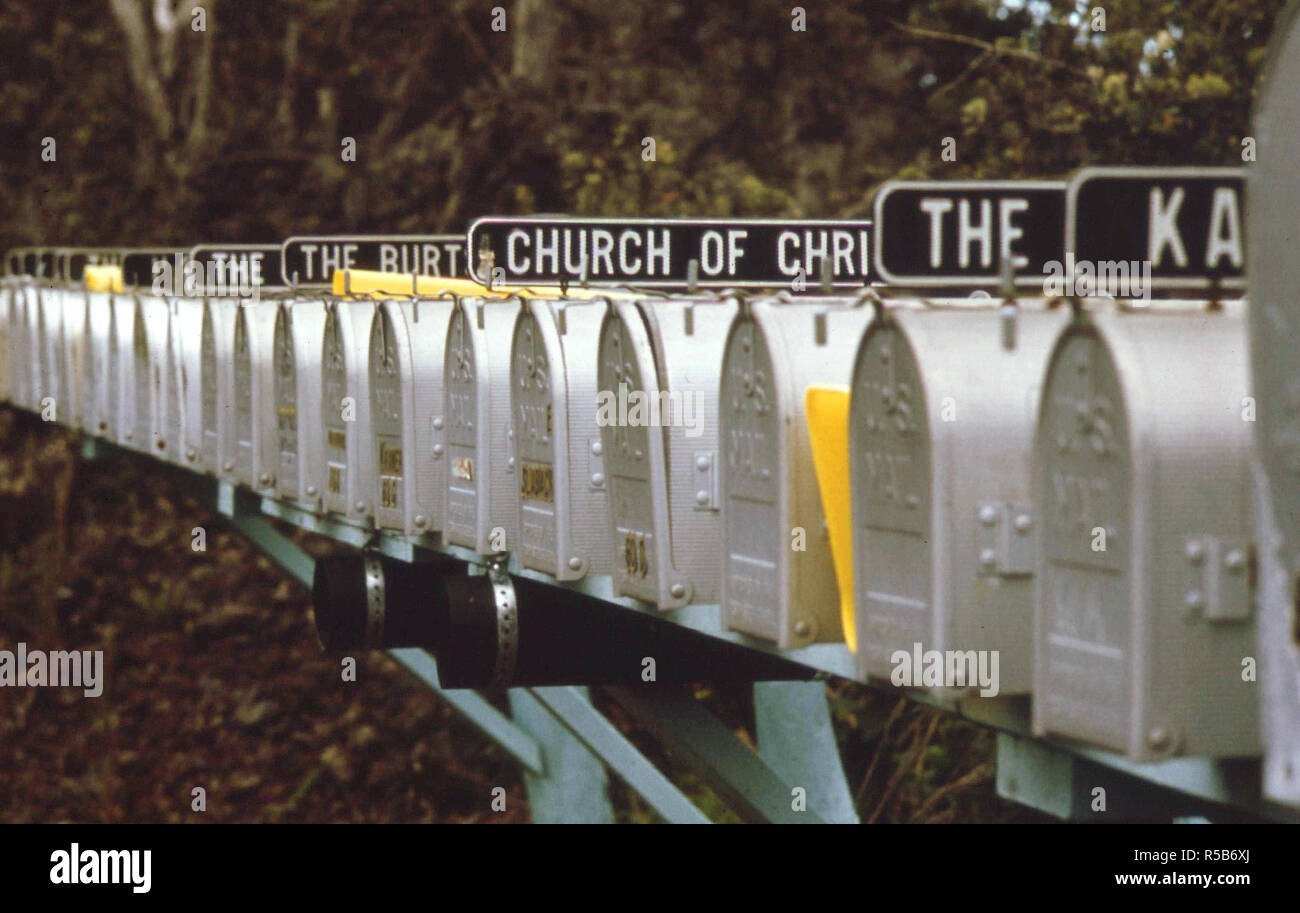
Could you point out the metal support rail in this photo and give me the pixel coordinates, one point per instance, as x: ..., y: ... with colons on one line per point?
x: 566, y: 746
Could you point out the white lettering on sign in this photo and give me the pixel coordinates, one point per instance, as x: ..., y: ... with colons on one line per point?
x: 1225, y: 230
x: 1162, y: 228
x: 421, y: 258
x: 935, y: 207
x: 803, y: 251
x: 1223, y: 235
x: 968, y: 232
x: 712, y: 251
x: 977, y: 232
x: 630, y: 252
x: 1009, y: 232
x: 332, y: 257
x: 246, y: 266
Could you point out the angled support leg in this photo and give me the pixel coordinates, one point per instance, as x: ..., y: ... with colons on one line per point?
x: 797, y: 740
x: 572, y: 787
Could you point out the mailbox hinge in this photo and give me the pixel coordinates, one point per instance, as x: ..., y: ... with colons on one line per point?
x: 1005, y: 542
x: 595, y: 464
x: 705, y: 469
x: 438, y: 446
x: 1217, y: 582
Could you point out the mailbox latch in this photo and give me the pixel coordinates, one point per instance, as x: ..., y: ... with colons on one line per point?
x: 1005, y: 541
x: 1217, y: 581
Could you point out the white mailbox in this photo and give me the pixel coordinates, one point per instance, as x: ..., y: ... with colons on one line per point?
x: 185, y: 431
x: 49, y: 346
x: 22, y: 362
x: 1273, y: 192
x: 122, y: 393
x: 1144, y: 616
x: 299, y: 331
x: 149, y: 373
x: 479, y: 441
x: 98, y: 403
x: 122, y: 366
x: 345, y: 411
x: 658, y: 377
x: 942, y: 417
x: 778, y: 581
x: 407, y: 342
x: 73, y: 381
x: 7, y: 292
x: 217, y: 387
x: 254, y: 373
x: 563, y: 505
x: 1279, y: 650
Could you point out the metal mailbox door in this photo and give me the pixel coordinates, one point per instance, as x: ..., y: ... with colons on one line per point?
x: 6, y: 355
x: 563, y: 508
x: 941, y: 441
x: 186, y: 429
x: 170, y: 444
x: 345, y: 411
x: 74, y: 348
x: 1273, y: 192
x: 407, y: 342
x: 1144, y: 612
x: 141, y: 433
x: 217, y: 382
x: 300, y: 472
x: 120, y: 368
x: 481, y: 507
x: 778, y: 580
x: 658, y: 414
x: 20, y: 350
x: 50, y: 398
x: 152, y: 342
x: 254, y: 369
x: 98, y: 381
x: 31, y: 346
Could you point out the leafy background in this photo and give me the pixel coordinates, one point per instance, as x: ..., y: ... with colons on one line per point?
x: 166, y: 135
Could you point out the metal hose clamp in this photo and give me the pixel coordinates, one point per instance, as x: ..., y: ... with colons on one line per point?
x: 507, y: 606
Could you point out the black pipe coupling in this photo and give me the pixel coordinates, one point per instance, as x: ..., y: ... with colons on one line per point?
x: 491, y: 630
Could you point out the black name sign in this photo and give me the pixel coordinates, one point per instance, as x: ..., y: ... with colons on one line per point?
x: 657, y: 253
x: 959, y: 233
x: 313, y: 260
x: 1187, y: 223
x: 257, y: 265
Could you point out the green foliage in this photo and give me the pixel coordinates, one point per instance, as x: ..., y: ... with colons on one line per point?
x: 453, y: 120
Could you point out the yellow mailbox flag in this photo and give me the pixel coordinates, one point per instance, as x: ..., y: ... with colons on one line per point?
x: 827, y: 409
x: 369, y: 282
x: 103, y: 278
